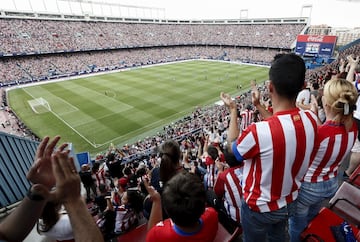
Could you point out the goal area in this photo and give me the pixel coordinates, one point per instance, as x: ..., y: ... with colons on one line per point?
x: 39, y: 105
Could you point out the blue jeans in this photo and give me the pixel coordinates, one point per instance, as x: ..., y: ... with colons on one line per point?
x: 309, y: 203
x: 261, y: 227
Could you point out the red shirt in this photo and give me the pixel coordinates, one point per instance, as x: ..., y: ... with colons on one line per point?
x: 332, y: 146
x: 276, y: 154
x: 166, y: 230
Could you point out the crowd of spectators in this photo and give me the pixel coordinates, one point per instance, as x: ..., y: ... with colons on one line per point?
x: 33, y: 35
x: 33, y: 68
x: 37, y: 49
x: 194, y: 134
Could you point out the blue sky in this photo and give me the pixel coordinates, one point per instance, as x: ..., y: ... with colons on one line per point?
x: 336, y: 13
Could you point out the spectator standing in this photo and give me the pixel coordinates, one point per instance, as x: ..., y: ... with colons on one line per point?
x: 246, y: 117
x: 98, y: 173
x: 353, y: 76
x: 228, y: 189
x: 335, y: 140
x: 88, y: 181
x: 273, y: 163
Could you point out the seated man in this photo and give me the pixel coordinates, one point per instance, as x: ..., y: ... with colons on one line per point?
x: 184, y: 200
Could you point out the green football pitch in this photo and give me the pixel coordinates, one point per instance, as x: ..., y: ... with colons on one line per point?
x: 125, y: 106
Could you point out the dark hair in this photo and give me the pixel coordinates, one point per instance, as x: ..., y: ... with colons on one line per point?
x: 95, y: 167
x: 213, y: 152
x: 102, y: 188
x: 230, y: 158
x: 287, y: 74
x: 50, y: 216
x: 110, y: 157
x: 170, y: 158
x: 315, y: 85
x: 184, y: 198
x: 135, y: 199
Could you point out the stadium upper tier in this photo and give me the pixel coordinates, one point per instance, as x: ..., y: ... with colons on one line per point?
x: 20, y: 36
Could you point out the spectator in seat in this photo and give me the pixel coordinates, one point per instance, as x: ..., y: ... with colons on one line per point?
x: 184, y: 199
x: 273, y: 164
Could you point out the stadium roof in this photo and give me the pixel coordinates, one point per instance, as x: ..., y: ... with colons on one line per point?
x: 320, y: 12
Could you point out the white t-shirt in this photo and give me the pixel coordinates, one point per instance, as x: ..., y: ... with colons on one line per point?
x: 357, y: 110
x: 303, y: 95
x: 62, y: 230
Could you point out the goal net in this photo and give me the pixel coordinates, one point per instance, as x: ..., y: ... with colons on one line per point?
x: 39, y: 105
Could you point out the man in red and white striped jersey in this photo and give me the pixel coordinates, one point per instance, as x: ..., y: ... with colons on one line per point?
x: 246, y: 117
x: 275, y: 152
x: 228, y: 188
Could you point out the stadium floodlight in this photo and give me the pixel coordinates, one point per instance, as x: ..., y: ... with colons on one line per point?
x: 244, y: 13
x: 308, y: 9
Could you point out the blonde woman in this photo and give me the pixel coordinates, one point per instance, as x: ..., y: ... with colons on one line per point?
x: 334, y: 142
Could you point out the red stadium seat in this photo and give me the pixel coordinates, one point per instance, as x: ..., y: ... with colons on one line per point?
x: 135, y: 235
x: 346, y: 203
x: 355, y: 177
x: 223, y: 235
x: 319, y: 229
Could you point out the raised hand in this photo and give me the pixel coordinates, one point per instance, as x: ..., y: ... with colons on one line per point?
x: 353, y: 61
x: 67, y: 179
x: 255, y: 95
x: 41, y: 172
x: 153, y: 194
x: 228, y: 101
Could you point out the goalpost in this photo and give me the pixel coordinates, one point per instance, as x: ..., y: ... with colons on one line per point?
x: 39, y: 105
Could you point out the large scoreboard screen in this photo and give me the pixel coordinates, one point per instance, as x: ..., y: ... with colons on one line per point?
x: 315, y: 45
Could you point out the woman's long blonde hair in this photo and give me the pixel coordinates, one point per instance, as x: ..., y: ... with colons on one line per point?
x: 341, y: 96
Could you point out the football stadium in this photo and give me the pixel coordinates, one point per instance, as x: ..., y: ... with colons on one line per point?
x: 176, y: 129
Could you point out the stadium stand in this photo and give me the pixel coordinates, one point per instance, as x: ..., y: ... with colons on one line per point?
x: 44, y: 48
x: 35, y: 49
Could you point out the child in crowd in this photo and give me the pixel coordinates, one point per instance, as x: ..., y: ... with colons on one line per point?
x: 184, y: 199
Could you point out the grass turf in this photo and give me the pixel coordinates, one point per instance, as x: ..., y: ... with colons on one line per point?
x: 125, y: 106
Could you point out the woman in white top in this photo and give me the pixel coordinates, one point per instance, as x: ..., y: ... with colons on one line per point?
x: 55, y: 223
